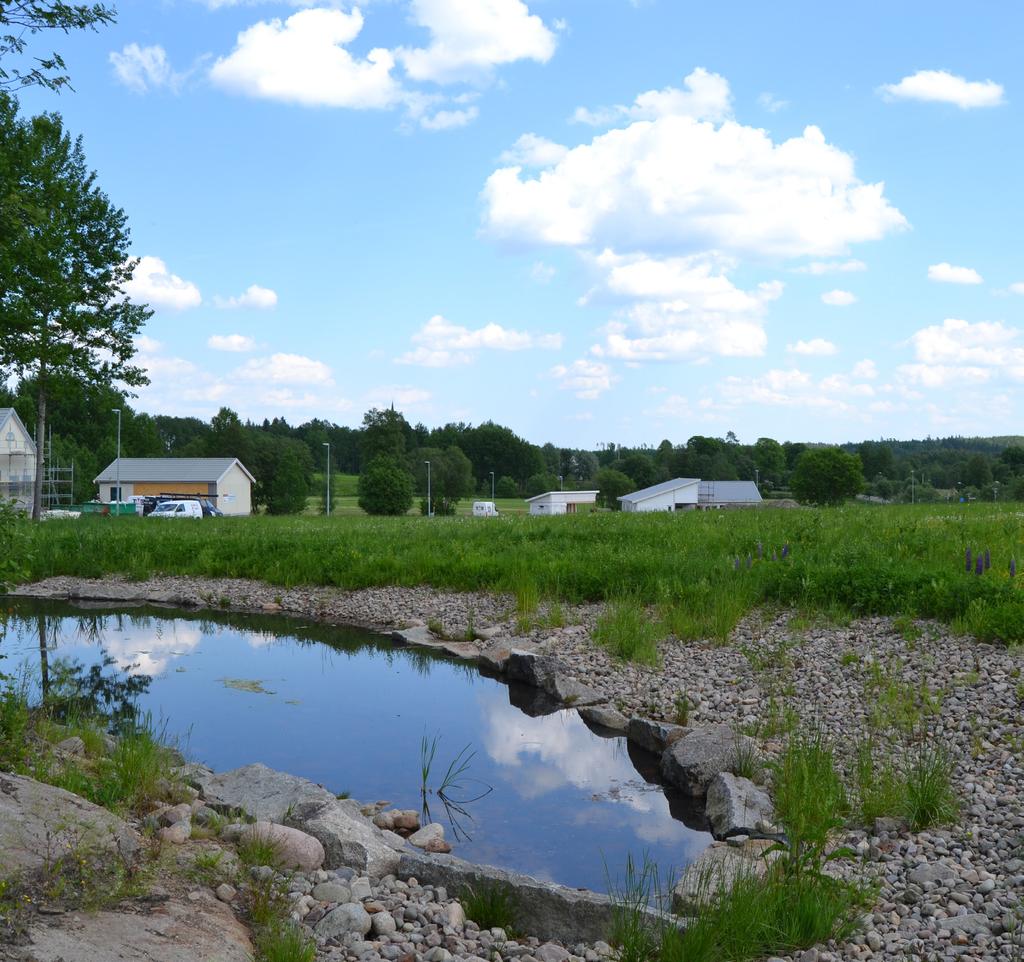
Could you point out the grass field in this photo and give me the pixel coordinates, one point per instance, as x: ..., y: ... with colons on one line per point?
x: 346, y: 499
x: 703, y: 571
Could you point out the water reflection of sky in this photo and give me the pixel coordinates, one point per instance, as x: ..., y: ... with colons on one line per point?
x: 351, y: 714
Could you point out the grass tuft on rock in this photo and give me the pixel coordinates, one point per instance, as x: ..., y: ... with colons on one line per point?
x: 491, y: 905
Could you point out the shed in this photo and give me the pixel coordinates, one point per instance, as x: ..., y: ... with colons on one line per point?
x: 728, y: 494
x: 679, y: 494
x: 560, y: 502
x: 225, y: 481
x: 17, y: 460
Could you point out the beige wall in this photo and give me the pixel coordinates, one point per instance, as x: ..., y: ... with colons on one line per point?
x: 234, y: 492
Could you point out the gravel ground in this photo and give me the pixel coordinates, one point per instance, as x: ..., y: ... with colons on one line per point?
x: 943, y: 894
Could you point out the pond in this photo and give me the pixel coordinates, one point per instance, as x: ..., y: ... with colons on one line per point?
x: 347, y: 709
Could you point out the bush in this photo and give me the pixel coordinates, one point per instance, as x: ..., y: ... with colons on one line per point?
x: 827, y: 476
x: 385, y: 487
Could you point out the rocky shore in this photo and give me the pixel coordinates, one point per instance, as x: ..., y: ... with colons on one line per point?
x: 948, y: 893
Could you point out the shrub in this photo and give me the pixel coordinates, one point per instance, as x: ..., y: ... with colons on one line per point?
x: 385, y: 487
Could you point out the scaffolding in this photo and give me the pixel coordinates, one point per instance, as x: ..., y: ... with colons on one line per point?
x: 58, y: 487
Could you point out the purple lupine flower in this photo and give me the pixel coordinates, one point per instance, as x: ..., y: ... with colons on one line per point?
x: 785, y: 550
x: 979, y: 567
x: 1013, y: 567
x: 750, y: 561
x: 736, y: 563
x: 760, y: 551
x: 967, y: 556
x: 775, y: 556
x: 988, y: 559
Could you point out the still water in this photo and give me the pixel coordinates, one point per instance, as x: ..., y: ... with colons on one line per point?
x: 345, y: 708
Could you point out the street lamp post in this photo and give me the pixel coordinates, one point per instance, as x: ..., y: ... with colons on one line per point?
x: 117, y: 411
x: 757, y: 478
x: 430, y: 513
x: 492, y: 485
x: 911, y: 485
x: 327, y: 511
x: 559, y: 482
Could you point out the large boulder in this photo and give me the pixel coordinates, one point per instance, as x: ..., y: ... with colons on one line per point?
x: 294, y: 849
x: 543, y: 909
x: 40, y: 824
x: 348, y: 837
x: 654, y: 736
x: 692, y: 763
x: 605, y: 719
x: 717, y: 870
x: 258, y: 791
x: 344, y: 920
x: 735, y: 805
x: 550, y: 675
x: 198, y: 930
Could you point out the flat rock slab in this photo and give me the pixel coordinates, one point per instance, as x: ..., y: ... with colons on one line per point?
x: 654, y: 736
x: 349, y: 839
x: 175, y: 931
x: 736, y: 805
x: 550, y: 675
x: 692, y: 763
x: 716, y: 870
x: 543, y: 909
x: 422, y: 637
x: 606, y: 717
x: 40, y: 823
x: 259, y: 791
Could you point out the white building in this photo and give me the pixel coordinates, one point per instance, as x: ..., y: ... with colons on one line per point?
x: 561, y: 502
x: 17, y: 460
x: 679, y: 494
x: 225, y: 481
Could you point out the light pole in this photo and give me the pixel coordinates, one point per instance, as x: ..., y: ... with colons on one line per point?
x: 911, y: 485
x: 117, y: 411
x: 559, y: 482
x: 492, y: 485
x: 995, y: 490
x: 430, y: 513
x: 327, y: 444
x: 757, y: 478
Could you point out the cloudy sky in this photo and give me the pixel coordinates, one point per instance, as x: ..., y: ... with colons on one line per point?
x: 592, y: 220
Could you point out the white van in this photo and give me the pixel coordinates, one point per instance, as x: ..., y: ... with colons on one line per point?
x: 177, y: 509
x: 484, y: 509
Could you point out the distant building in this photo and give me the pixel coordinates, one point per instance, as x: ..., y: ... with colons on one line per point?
x: 225, y: 481
x: 679, y: 494
x: 17, y: 460
x: 561, y: 502
x: 691, y: 494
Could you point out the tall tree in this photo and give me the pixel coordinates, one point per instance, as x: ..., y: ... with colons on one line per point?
x: 21, y: 19
x: 63, y: 267
x: 827, y: 476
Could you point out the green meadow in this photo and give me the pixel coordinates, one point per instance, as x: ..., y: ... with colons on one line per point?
x: 700, y: 572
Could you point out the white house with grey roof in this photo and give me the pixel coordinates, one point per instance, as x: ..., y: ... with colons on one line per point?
x: 690, y: 494
x: 17, y: 460
x: 561, y: 502
x: 224, y: 481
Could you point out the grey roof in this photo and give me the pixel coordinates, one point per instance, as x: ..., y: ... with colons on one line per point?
x: 6, y: 413
x: 192, y: 470
x: 537, y: 497
x: 655, y: 489
x: 729, y: 492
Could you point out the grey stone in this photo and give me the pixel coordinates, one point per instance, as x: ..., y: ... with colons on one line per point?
x: 429, y: 833
x: 736, y: 804
x: 604, y: 716
x: 550, y: 675
x: 891, y: 826
x: 456, y: 915
x: 931, y: 872
x: 717, y: 868
x: 974, y: 924
x: 654, y: 736
x: 176, y: 813
x: 294, y: 849
x: 225, y: 892
x: 71, y: 746
x: 205, y: 816
x: 259, y: 791
x: 40, y: 824
x: 347, y: 837
x: 177, y: 834
x: 196, y: 930
x: 332, y: 892
x: 543, y: 909
x: 344, y: 920
x: 361, y: 889
x: 692, y: 763
x: 383, y: 923
x: 549, y: 952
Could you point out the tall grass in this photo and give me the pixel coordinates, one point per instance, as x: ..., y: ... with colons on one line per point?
x: 849, y: 561
x: 628, y: 631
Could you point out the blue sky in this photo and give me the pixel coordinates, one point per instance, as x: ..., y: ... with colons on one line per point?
x: 591, y: 220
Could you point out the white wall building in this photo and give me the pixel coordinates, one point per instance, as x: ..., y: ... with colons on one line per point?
x: 561, y: 502
x: 225, y: 481
x: 17, y: 460
x: 679, y: 494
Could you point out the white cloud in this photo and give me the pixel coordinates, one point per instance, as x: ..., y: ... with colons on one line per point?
x: 286, y: 369
x: 237, y: 343
x: 443, y: 344
x: 771, y: 103
x: 959, y: 352
x: 683, y: 307
x: 948, y: 274
x: 816, y: 347
x: 1017, y: 288
x: 401, y: 395
x: 679, y: 183
x: 838, y: 393
x: 303, y: 60
x: 542, y: 273
x: 944, y: 375
x: 839, y: 298
x: 865, y: 370
x: 587, y: 379
x: 530, y: 150
x: 705, y: 96
x: 469, y: 38
x: 259, y: 298
x: 153, y: 284
x: 449, y: 119
x: 144, y: 68
x: 817, y: 268
x: 944, y: 87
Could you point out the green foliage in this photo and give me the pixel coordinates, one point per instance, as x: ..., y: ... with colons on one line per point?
x: 930, y: 799
x: 628, y: 632
x: 284, y: 942
x: 491, y: 905
x: 505, y: 487
x: 611, y: 486
x: 288, y: 488
x: 827, y: 476
x: 451, y: 477
x: 879, y: 786
x: 257, y: 848
x: 385, y: 487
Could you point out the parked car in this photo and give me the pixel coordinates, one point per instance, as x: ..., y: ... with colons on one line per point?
x: 210, y: 510
x: 485, y: 509
x: 177, y: 509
